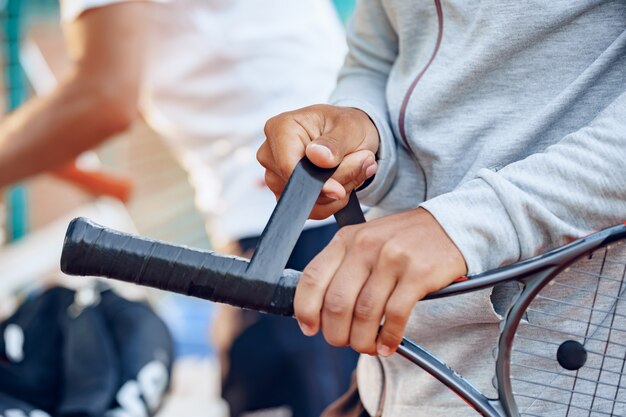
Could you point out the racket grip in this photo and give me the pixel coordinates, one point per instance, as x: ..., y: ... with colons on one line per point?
x: 92, y: 250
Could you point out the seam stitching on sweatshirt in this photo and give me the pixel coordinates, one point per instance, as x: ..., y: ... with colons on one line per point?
x: 405, y: 101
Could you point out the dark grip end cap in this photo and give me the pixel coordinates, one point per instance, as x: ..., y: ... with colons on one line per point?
x: 73, y: 245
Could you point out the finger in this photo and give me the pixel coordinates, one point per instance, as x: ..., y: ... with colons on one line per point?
x: 326, y: 207
x: 287, y: 140
x: 341, y: 297
x: 275, y: 183
x: 355, y: 168
x: 344, y: 133
x: 313, y: 283
x: 397, y: 312
x: 369, y: 310
x: 333, y: 190
x: 265, y: 157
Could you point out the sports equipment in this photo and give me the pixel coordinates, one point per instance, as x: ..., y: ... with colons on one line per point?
x: 562, y: 345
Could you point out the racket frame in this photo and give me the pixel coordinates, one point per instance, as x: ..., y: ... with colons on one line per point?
x: 534, y: 274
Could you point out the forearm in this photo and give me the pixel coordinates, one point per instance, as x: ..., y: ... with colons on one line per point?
x: 49, y: 131
x: 96, y: 99
x: 571, y: 189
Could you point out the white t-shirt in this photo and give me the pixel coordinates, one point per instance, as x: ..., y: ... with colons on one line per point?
x: 217, y: 70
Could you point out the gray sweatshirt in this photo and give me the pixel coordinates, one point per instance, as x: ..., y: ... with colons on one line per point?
x: 507, y: 121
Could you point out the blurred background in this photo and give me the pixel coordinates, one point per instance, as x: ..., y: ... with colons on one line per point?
x: 35, y: 213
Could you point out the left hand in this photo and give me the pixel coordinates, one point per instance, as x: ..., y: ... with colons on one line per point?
x: 372, y: 271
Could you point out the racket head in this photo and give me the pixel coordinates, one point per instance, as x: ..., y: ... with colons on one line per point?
x: 562, y: 347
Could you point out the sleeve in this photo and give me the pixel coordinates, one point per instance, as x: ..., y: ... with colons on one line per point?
x: 573, y: 188
x: 373, y: 48
x: 72, y: 9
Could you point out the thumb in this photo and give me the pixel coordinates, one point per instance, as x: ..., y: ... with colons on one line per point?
x: 327, y: 151
x: 344, y: 131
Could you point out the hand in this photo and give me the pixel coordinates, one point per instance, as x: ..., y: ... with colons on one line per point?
x: 374, y: 270
x: 330, y: 137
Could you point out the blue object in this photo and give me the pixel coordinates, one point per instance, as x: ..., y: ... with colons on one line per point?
x: 189, y: 320
x: 344, y: 8
x: 272, y: 364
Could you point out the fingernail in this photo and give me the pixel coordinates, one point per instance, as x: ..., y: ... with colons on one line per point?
x: 322, y: 149
x: 306, y: 329
x: 331, y: 196
x: 383, y: 350
x: 369, y: 167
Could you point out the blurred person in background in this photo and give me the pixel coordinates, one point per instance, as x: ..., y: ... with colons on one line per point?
x: 205, y: 74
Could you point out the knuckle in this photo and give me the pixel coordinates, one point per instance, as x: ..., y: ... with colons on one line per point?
x: 363, y: 346
x: 269, y: 126
x: 392, y: 337
x: 271, y: 180
x: 336, y: 304
x: 305, y: 313
x: 336, y: 339
x: 346, y: 233
x: 261, y: 158
x: 302, y: 315
x: 365, y: 308
x: 392, y: 252
x: 355, y: 182
x: 308, y: 280
x: 365, y: 240
x: 344, y: 115
x: 272, y: 123
x: 395, y: 316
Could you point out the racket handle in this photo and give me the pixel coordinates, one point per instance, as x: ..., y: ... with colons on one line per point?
x: 92, y: 250
x: 96, y: 183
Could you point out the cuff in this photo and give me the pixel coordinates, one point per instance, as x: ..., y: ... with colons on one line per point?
x: 375, y: 189
x: 478, y: 224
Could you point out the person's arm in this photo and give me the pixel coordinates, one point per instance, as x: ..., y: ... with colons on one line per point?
x: 573, y: 188
x: 95, y: 99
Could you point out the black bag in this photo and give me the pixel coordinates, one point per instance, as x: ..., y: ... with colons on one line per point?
x: 111, y: 356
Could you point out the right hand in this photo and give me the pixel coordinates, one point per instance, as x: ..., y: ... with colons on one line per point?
x: 329, y: 136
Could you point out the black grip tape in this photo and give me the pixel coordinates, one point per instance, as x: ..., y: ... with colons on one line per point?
x: 92, y: 250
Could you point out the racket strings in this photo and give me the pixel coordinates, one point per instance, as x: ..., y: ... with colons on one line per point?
x: 582, y: 307
x: 550, y: 373
x: 606, y: 346
x: 557, y: 373
x: 573, y: 334
x: 558, y: 344
x: 598, y: 294
x: 565, y: 404
x: 560, y: 316
x: 545, y: 385
x: 585, y: 303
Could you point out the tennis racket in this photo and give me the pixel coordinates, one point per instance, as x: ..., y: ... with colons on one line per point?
x: 562, y: 344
